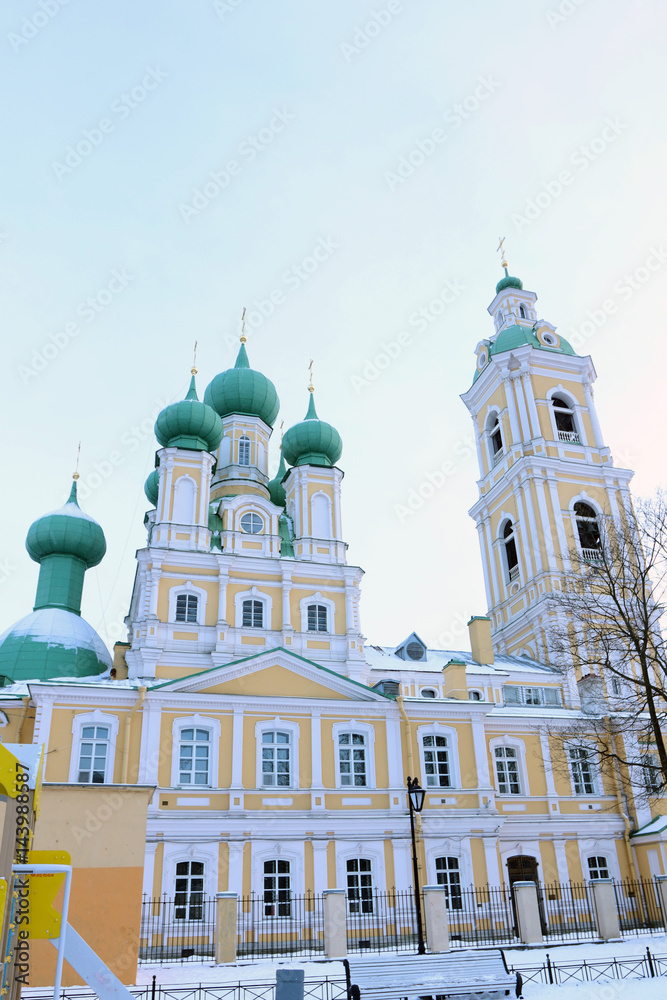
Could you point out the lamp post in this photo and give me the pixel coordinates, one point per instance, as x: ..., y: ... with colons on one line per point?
x: 416, y: 796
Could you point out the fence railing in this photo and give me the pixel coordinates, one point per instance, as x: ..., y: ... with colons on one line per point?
x: 280, y: 924
x: 321, y: 989
x: 557, y: 973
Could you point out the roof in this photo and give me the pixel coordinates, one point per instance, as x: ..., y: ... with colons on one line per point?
x: 384, y: 658
x: 657, y: 826
x: 518, y: 335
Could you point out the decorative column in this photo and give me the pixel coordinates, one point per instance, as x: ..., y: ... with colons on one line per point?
x: 590, y: 403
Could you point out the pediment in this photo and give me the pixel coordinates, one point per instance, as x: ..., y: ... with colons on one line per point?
x: 275, y: 673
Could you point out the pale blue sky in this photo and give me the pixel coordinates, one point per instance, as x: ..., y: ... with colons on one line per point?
x: 334, y: 123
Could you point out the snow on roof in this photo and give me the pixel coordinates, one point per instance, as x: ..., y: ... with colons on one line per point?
x: 384, y: 658
x: 656, y: 826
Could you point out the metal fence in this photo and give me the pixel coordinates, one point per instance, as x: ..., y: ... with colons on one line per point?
x: 558, y: 973
x: 480, y: 916
x: 280, y: 925
x: 321, y: 989
x: 638, y: 906
x: 381, y: 921
x: 567, y: 910
x: 172, y: 931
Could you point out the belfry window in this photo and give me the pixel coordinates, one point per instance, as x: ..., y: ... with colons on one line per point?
x: 511, y: 557
x: 317, y: 618
x: 186, y: 608
x: 588, y: 531
x: 522, y: 312
x: 495, y: 436
x: 253, y: 614
x: 564, y: 417
x: 244, y: 450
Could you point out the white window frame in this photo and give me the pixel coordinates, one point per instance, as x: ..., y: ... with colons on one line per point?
x: 95, y: 718
x: 195, y: 722
x: 507, y: 578
x: 520, y: 747
x: 493, y: 457
x: 321, y: 493
x: 278, y: 852
x: 189, y: 589
x: 195, y: 502
x: 361, y: 849
x: 255, y: 595
x: 451, y: 849
x: 573, y: 405
x: 369, y: 732
x: 360, y: 913
x: 437, y: 729
x: 331, y: 613
x: 583, y: 497
x: 173, y: 853
x: 521, y: 701
x: 267, y: 726
x: 596, y: 854
x: 450, y: 854
x: 244, y: 437
x: 595, y: 775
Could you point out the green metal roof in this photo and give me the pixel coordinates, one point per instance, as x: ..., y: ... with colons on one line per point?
x: 151, y: 487
x: 517, y: 336
x: 67, y: 531
x: 189, y: 424
x: 313, y: 441
x: 51, y: 643
x: 275, y: 485
x: 508, y: 282
x: 243, y: 390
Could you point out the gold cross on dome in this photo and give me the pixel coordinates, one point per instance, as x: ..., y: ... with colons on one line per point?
x: 311, y: 387
x: 193, y: 370
x: 501, y: 248
x: 76, y: 468
x: 243, y: 336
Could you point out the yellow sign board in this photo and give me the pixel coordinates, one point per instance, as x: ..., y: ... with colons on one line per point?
x: 36, y: 892
x: 10, y: 768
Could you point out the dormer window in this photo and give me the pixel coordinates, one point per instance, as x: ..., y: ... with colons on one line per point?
x: 564, y: 417
x: 412, y: 649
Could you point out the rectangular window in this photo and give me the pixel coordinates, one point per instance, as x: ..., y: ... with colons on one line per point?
x: 515, y: 694
x: 253, y: 614
x: 244, y: 450
x: 193, y: 757
x: 276, y: 759
x: 186, y: 608
x: 598, y: 867
x: 359, y: 886
x: 277, y: 889
x: 652, y: 773
x: 507, y: 771
x: 448, y: 875
x: 581, y: 769
x: 93, y: 754
x: 352, y: 759
x: 189, y: 895
x: 317, y: 618
x: 436, y: 761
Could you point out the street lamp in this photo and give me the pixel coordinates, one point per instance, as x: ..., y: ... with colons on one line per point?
x: 416, y: 795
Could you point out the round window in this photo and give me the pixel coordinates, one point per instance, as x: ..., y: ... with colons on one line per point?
x: 481, y: 359
x: 415, y: 651
x: 549, y: 339
x: 252, y: 523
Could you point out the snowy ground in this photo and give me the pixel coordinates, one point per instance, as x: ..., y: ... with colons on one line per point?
x: 627, y: 989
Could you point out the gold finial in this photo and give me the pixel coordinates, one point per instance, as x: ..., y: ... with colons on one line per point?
x: 243, y: 336
x: 193, y: 370
x: 501, y: 248
x: 75, y: 476
x: 282, y: 424
x: 311, y: 387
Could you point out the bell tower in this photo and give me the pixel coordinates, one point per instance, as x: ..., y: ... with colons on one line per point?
x: 545, y: 472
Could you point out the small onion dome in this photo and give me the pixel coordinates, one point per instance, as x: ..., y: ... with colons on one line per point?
x: 151, y: 487
x: 312, y: 442
x: 508, y: 282
x: 52, y: 643
x: 68, y: 532
x: 242, y: 390
x: 275, y: 486
x: 189, y: 424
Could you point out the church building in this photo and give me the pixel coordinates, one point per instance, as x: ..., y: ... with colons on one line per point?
x: 277, y: 740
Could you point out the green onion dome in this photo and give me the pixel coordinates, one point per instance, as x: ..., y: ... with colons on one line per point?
x: 52, y: 643
x: 151, y: 487
x: 189, y: 424
x: 67, y: 532
x: 312, y: 442
x: 275, y: 486
x: 243, y: 390
x: 508, y: 282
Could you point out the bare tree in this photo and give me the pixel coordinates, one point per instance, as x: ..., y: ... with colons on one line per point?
x: 606, y: 629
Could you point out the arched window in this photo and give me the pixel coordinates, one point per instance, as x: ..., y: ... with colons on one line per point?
x: 194, y: 754
x: 187, y: 606
x: 437, y: 765
x: 276, y: 759
x: 564, y: 417
x: 244, y: 450
x: 495, y: 435
x: 511, y: 556
x: 317, y: 618
x: 359, y: 873
x: 189, y: 891
x: 185, y: 492
x: 253, y: 614
x: 320, y: 515
x: 588, y: 530
x: 448, y: 874
x: 522, y: 312
x: 598, y: 866
x: 277, y: 888
x: 507, y: 771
